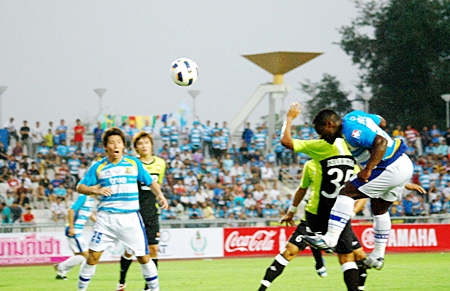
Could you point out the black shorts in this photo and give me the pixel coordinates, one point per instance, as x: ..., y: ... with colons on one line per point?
x: 152, y: 231
x: 346, y: 244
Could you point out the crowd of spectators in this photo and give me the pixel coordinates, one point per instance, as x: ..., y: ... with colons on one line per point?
x: 209, y: 175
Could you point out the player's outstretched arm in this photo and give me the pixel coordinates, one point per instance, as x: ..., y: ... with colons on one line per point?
x: 156, y: 189
x: 288, y: 218
x: 286, y: 137
x: 415, y: 187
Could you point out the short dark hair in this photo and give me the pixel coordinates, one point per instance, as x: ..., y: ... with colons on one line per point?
x: 325, y: 115
x: 110, y: 132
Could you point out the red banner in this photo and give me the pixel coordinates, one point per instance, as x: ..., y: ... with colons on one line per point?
x: 409, y: 237
x: 265, y: 241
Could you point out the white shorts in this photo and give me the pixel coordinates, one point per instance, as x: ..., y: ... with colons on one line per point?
x: 77, y: 244
x: 389, y: 183
x: 127, y: 228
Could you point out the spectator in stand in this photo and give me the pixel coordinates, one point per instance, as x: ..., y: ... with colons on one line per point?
x: 74, y: 164
x: 37, y: 134
x: 9, y: 200
x: 28, y: 220
x: 234, y: 153
x: 12, y: 131
x: 398, y: 132
x: 71, y: 148
x: 178, y: 210
x: 16, y: 211
x: 58, y: 210
x: 194, y: 212
x: 396, y: 209
x: 436, y: 134
x: 98, y: 132
x: 216, y: 146
x: 411, y: 150
x: 420, y: 208
x: 61, y: 132
x: 3, y: 154
x: 442, y: 148
x: 267, y: 175
x: 79, y: 131
x: 5, y: 216
x: 174, y: 133
x: 49, y: 138
x: 247, y: 134
x: 165, y: 133
x: 17, y: 150
x: 436, y: 205
x: 195, y: 136
x: 425, y: 137
x: 224, y: 142
x: 413, y: 136
x: 206, y: 139
x: 25, y: 137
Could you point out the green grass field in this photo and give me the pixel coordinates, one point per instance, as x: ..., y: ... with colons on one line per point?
x: 422, y: 271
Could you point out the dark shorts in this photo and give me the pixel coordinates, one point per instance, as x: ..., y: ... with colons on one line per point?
x: 152, y: 231
x: 346, y: 244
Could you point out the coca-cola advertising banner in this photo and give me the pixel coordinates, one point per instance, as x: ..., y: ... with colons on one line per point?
x: 261, y: 241
x: 255, y: 241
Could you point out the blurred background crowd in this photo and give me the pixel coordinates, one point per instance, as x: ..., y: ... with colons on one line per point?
x: 209, y: 174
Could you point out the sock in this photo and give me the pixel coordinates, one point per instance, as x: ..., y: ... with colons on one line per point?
x: 86, y: 273
x: 351, y: 275
x: 124, y: 266
x: 362, y: 278
x: 381, y: 228
x: 318, y: 257
x: 156, y: 262
x: 150, y: 274
x: 339, y: 216
x: 71, y: 262
x: 273, y: 271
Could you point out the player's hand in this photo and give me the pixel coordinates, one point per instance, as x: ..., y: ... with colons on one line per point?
x: 288, y: 219
x: 71, y: 231
x: 103, y: 191
x: 415, y: 187
x: 364, y: 175
x: 163, y: 202
x: 294, y: 110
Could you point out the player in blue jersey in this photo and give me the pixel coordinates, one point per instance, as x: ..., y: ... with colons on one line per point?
x: 79, y: 213
x: 386, y: 171
x: 115, y: 178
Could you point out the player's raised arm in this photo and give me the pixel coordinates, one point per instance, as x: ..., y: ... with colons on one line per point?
x: 286, y: 137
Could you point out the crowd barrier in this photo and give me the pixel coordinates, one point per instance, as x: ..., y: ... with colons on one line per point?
x: 194, y: 242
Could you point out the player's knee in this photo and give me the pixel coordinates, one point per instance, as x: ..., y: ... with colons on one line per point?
x: 144, y: 259
x: 290, y: 252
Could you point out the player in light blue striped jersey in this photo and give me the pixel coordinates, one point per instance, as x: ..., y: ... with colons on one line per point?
x: 79, y: 213
x: 115, y: 179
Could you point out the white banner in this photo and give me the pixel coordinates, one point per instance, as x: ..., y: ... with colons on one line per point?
x: 53, y: 247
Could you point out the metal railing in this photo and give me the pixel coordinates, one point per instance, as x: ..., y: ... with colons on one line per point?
x: 205, y: 223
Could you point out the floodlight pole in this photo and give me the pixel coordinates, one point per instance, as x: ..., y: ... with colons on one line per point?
x: 366, y: 97
x: 100, y: 92
x: 446, y: 98
x: 194, y: 93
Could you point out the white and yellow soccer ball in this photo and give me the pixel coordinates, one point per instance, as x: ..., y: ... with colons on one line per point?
x: 184, y: 72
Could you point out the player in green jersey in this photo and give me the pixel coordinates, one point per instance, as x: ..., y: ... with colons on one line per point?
x: 149, y: 208
x: 330, y: 167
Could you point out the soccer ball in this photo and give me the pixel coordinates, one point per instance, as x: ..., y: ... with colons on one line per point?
x: 184, y: 72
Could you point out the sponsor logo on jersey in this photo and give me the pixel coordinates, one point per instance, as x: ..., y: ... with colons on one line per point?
x: 128, y: 171
x: 356, y: 133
